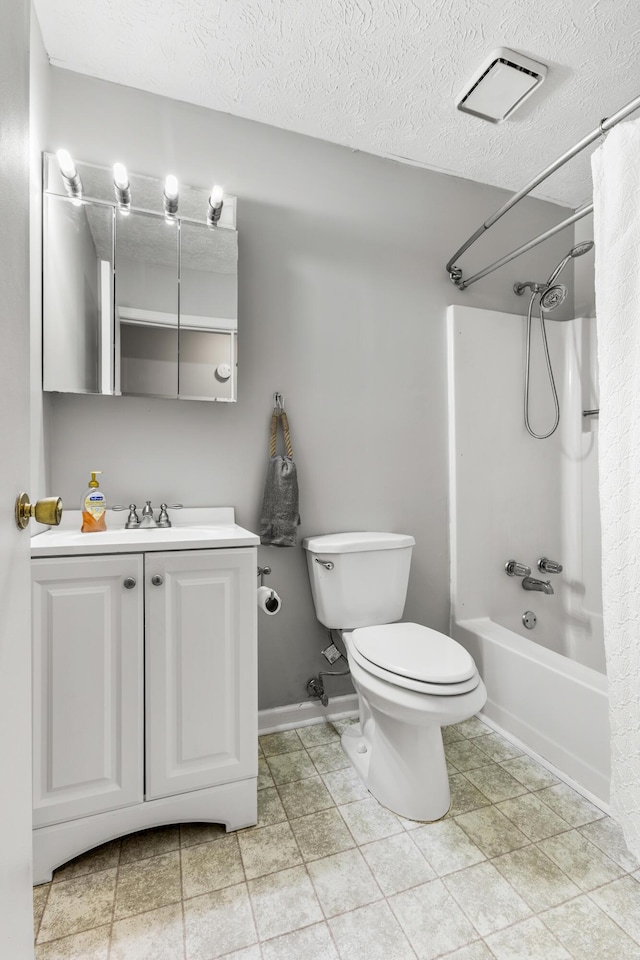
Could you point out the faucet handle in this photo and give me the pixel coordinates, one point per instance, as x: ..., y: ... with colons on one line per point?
x: 549, y: 566
x: 515, y: 569
x: 163, y: 519
x: 133, y: 520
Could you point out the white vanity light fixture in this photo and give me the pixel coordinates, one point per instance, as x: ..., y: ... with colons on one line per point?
x: 500, y: 85
x: 122, y: 187
x: 170, y: 198
x: 70, y: 176
x: 215, y: 205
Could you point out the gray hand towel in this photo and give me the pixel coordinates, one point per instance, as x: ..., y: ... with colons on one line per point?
x: 280, y: 514
x: 280, y: 517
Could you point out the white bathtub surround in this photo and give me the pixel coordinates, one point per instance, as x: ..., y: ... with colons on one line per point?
x: 616, y: 178
x: 513, y: 497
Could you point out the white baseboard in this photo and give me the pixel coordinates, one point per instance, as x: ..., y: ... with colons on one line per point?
x: 306, y: 713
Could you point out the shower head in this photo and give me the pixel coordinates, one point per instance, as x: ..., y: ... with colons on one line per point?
x: 581, y: 248
x: 553, y: 296
x: 578, y: 251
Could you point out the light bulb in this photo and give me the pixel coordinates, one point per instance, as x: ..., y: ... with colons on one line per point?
x: 216, y: 195
x: 66, y: 164
x: 171, y: 187
x: 120, y: 176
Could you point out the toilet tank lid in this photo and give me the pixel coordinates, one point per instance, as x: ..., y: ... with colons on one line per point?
x: 357, y: 542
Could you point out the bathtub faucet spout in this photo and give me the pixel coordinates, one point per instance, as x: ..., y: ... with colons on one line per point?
x: 541, y: 586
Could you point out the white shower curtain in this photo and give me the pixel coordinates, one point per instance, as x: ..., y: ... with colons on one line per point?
x: 616, y: 185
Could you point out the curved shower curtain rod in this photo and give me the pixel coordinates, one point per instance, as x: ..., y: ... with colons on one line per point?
x: 455, y: 272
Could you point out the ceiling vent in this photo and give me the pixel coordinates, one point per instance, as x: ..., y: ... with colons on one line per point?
x: 501, y: 85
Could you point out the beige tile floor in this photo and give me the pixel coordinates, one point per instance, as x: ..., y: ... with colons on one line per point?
x: 523, y: 868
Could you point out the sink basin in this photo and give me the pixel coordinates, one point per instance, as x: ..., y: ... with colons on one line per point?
x: 195, y: 528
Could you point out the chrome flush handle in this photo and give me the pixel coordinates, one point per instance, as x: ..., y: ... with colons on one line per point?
x: 327, y: 564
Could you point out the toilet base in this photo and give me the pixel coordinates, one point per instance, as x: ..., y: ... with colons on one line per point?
x: 415, y: 785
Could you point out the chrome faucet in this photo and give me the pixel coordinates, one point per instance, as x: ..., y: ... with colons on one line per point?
x: 540, y: 586
x: 148, y: 521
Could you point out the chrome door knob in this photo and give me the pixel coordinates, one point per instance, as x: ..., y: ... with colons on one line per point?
x: 157, y: 580
x: 129, y: 583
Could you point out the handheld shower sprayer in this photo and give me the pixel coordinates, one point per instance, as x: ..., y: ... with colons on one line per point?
x: 551, y: 295
x: 543, y: 288
x: 578, y: 251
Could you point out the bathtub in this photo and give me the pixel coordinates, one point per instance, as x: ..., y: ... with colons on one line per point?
x: 556, y: 707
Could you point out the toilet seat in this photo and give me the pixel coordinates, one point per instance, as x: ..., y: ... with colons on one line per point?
x: 415, y: 657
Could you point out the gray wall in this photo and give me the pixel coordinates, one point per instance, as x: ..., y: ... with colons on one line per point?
x: 342, y: 297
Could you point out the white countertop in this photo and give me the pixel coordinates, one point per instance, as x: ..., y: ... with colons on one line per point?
x: 194, y: 528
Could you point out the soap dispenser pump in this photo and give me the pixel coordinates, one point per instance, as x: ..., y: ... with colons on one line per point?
x: 94, y: 507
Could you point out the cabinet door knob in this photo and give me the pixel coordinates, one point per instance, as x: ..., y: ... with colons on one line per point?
x: 130, y: 583
x: 157, y: 580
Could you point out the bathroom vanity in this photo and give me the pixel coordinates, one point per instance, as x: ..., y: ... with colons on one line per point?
x: 144, y: 680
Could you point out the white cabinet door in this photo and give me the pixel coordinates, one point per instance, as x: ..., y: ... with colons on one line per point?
x: 87, y: 686
x: 201, y: 694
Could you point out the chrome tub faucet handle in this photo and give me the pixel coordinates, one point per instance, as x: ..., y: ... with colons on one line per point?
x: 515, y: 569
x: 549, y: 566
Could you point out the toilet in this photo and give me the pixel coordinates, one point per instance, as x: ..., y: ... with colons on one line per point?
x: 410, y: 680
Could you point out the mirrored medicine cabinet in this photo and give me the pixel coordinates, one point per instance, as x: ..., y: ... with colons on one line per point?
x: 136, y: 303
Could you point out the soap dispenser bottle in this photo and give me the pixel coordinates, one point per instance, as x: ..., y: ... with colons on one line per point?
x: 94, y: 507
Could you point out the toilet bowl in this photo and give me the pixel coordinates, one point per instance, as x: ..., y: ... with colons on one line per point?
x: 410, y: 680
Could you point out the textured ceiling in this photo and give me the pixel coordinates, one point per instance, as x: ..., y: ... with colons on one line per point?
x: 374, y: 75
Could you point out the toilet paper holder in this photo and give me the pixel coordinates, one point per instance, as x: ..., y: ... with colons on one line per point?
x: 262, y: 573
x: 269, y: 602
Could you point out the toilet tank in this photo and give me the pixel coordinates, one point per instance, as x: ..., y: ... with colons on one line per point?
x: 367, y: 583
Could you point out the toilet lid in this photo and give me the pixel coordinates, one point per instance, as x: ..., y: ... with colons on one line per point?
x: 414, y: 651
